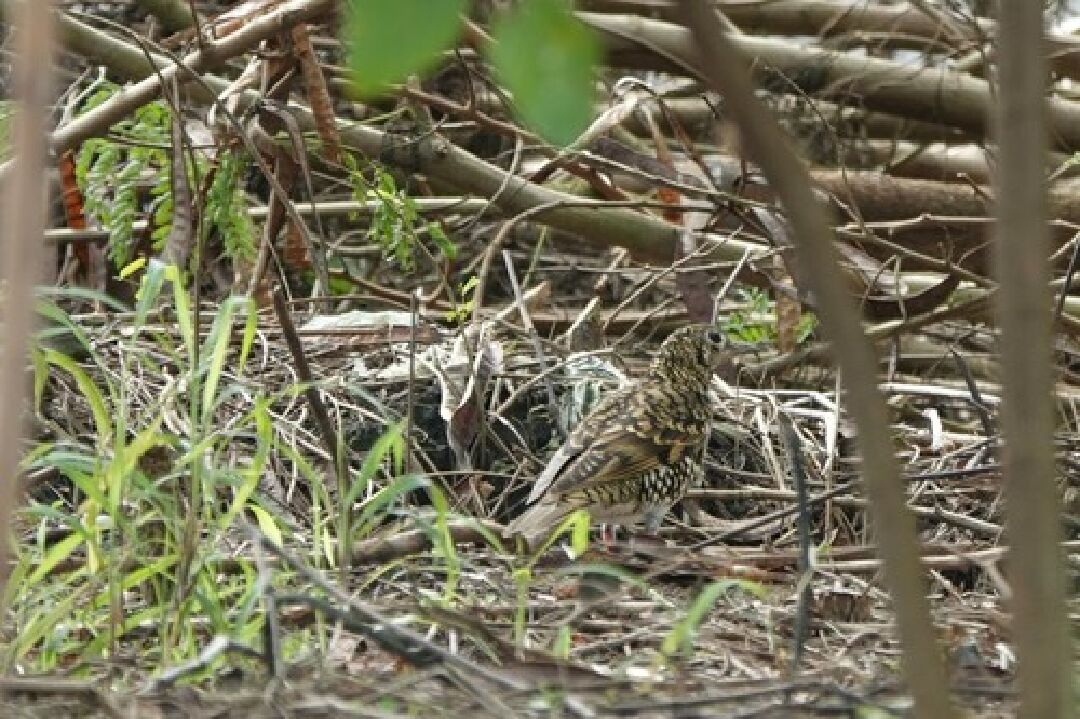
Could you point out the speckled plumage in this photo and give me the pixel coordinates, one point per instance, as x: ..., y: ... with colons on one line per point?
x: 638, y: 452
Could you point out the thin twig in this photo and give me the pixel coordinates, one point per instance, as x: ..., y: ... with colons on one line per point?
x: 538, y: 348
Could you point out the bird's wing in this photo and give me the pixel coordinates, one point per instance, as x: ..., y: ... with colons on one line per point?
x: 614, y: 459
x: 616, y: 441
x: 603, y: 415
x: 558, y: 460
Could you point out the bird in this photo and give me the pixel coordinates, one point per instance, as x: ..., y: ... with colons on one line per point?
x: 639, y: 450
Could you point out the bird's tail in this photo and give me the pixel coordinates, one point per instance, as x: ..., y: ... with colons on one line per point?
x: 537, y: 523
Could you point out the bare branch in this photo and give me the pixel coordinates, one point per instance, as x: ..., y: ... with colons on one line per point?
x: 725, y: 67
x: 20, y: 242
x: 1036, y: 574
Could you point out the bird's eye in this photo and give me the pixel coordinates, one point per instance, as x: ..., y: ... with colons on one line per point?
x: 715, y: 337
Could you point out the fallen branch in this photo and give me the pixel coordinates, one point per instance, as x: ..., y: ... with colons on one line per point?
x: 952, y: 98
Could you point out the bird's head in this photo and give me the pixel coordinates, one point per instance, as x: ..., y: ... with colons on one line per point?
x: 692, y: 351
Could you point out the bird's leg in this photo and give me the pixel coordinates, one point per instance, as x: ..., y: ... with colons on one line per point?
x: 607, y: 535
x: 653, y: 518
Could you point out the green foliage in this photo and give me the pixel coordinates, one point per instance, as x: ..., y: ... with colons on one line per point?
x: 563, y: 640
x: 523, y: 577
x: 133, y: 528
x: 7, y: 114
x: 392, y: 39
x: 147, y: 538
x: 1065, y: 166
x: 109, y: 170
x: 390, y: 446
x: 613, y: 572
x: 396, y: 224
x: 463, y: 310
x: 577, y: 524
x: 868, y: 711
x: 443, y: 543
x: 755, y: 324
x: 226, y: 209
x: 681, y: 638
x: 807, y: 324
x: 543, y: 54
x: 546, y: 56
x: 740, y: 324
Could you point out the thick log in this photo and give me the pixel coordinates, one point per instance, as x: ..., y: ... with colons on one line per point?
x: 952, y: 98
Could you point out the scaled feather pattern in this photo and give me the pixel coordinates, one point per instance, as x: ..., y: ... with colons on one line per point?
x: 638, y: 452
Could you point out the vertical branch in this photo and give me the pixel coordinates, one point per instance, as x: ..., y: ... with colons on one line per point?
x: 410, y: 410
x: 1036, y: 575
x: 21, y: 237
x: 724, y: 67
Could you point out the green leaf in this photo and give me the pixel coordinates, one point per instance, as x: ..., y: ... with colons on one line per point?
x: 41, y: 374
x: 89, y: 391
x: 118, y: 471
x: 144, y: 573
x: 250, y: 326
x: 805, y: 328
x: 59, y: 323
x: 445, y: 542
x: 391, y: 39
x: 41, y: 624
x: 149, y: 290
x: 267, y: 524
x: 522, y: 579
x: 682, y: 635
x: 16, y: 584
x: 132, y: 267
x: 380, y: 503
x: 545, y: 56
x: 579, y: 533
x: 578, y: 526
x: 56, y: 554
x: 183, y: 309
x: 225, y: 208
x: 391, y: 443
x: 608, y: 571
x: 442, y: 241
x: 215, y: 349
x: 78, y: 469
x: 250, y: 476
x: 563, y: 640
x: 6, y: 114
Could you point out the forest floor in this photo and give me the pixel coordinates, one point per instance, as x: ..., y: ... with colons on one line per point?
x: 290, y: 505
